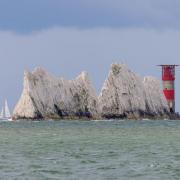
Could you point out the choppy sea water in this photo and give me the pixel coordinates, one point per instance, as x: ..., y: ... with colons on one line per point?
x: 90, y: 150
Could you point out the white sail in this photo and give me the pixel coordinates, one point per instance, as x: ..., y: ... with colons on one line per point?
x: 2, y: 113
x: 7, y: 112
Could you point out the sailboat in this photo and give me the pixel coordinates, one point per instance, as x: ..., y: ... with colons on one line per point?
x: 5, y: 113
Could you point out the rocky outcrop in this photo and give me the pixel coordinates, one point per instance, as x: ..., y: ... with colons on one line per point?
x: 45, y: 96
x: 126, y: 95
x: 156, y: 104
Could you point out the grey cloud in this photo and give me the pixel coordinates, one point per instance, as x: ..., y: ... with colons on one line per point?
x: 26, y: 16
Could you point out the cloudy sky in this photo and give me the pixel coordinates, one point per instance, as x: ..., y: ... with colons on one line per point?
x: 69, y: 36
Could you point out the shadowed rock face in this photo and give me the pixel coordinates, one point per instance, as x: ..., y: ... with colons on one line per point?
x: 45, y: 96
x: 124, y: 94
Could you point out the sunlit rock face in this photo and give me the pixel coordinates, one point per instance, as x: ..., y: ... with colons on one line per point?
x: 125, y: 94
x: 45, y: 96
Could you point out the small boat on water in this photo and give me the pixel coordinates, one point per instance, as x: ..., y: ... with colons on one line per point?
x: 5, y: 113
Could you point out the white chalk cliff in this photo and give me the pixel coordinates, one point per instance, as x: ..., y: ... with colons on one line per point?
x: 124, y: 94
x: 45, y: 96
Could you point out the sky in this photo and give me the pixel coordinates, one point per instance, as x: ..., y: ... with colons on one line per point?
x: 66, y: 37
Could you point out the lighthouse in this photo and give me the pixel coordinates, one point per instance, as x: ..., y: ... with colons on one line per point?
x: 168, y: 79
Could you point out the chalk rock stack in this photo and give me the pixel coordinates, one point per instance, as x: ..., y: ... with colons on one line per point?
x: 124, y: 95
x: 45, y: 96
x: 155, y: 100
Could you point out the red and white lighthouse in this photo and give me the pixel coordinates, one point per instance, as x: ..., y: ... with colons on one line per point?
x: 168, y: 79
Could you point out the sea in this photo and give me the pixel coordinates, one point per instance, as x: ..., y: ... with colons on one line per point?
x: 90, y: 150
